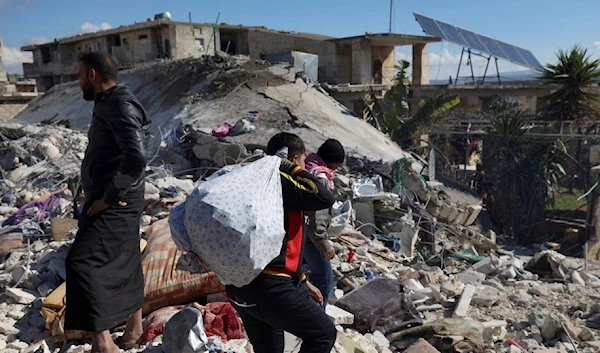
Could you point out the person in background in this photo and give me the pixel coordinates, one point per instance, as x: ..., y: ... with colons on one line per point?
x: 319, y: 250
x: 105, y: 282
x: 280, y: 299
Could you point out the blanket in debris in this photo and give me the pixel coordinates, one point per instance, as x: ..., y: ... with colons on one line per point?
x: 220, y: 319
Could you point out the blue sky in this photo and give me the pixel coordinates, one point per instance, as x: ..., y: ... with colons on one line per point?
x: 541, y: 26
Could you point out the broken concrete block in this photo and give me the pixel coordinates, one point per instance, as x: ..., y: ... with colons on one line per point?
x: 576, y: 278
x: 471, y: 277
x: 590, y: 280
x: 221, y: 153
x: 450, y: 289
x: 339, y: 316
x: 509, y: 273
x: 520, y: 297
x: 380, y: 340
x: 495, y: 330
x: 586, y: 335
x: 465, y: 301
x: 473, y: 212
x: 570, y: 328
x: 486, y: 296
x: 20, y: 296
x: 550, y: 326
x: 540, y: 290
x: 7, y: 327
x: 421, y: 346
x: 488, y: 265
x: 461, y: 216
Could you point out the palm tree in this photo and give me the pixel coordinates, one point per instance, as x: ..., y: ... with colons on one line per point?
x: 573, y: 73
x: 525, y: 173
x: 391, y: 114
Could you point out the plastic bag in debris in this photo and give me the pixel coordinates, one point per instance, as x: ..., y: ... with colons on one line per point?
x: 342, y: 216
x: 234, y: 223
x: 184, y: 333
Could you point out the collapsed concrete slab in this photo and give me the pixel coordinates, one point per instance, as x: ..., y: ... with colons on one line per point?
x: 204, y: 93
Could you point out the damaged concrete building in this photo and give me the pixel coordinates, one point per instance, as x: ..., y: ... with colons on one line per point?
x: 349, y: 66
x: 15, y: 92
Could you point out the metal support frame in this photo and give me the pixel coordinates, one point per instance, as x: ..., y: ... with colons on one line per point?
x: 470, y: 63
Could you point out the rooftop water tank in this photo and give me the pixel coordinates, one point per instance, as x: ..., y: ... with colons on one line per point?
x: 163, y: 16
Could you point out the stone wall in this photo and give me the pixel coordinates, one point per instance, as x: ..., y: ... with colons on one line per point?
x: 191, y: 40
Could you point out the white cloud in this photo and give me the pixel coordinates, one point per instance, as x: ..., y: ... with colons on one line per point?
x: 89, y: 27
x: 13, y: 59
x: 37, y: 40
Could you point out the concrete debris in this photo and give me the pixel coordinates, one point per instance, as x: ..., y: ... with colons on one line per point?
x: 409, y: 253
x: 339, y: 316
x: 421, y: 346
x: 465, y: 301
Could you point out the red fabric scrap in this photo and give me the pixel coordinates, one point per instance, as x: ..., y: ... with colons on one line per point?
x: 220, y: 319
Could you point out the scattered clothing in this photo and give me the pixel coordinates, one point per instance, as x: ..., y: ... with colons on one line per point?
x: 221, y: 130
x: 390, y: 241
x: 219, y: 319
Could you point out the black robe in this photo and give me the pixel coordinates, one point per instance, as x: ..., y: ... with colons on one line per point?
x: 105, y: 282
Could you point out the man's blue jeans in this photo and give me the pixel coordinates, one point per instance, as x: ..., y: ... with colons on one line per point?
x: 322, y: 274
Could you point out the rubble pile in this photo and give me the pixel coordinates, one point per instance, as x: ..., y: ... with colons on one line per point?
x: 207, y: 93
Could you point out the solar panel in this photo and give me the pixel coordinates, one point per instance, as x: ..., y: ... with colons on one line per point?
x: 473, y: 40
x: 512, y: 53
x: 528, y: 56
x: 476, y: 41
x: 492, y: 46
x: 452, y: 34
x: 430, y: 26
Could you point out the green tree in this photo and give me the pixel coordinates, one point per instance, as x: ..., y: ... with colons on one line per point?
x: 524, y: 173
x: 573, y: 73
x: 391, y: 114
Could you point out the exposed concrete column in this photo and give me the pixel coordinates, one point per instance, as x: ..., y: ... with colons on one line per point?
x: 361, y: 62
x: 420, y: 66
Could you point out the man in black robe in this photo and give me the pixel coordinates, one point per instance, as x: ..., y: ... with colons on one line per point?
x: 105, y: 283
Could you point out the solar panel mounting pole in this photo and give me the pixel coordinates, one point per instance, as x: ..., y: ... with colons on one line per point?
x: 471, y: 65
x: 498, y: 71
x: 459, y: 64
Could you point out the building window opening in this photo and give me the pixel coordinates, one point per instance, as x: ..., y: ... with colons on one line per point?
x: 377, y: 72
x: 143, y: 36
x: 46, y: 55
x: 200, y: 43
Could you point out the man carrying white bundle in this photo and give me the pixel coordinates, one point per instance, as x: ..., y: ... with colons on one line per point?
x: 280, y: 299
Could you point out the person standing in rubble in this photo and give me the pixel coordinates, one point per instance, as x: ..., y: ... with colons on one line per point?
x: 105, y: 283
x: 280, y: 298
x: 320, y: 250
